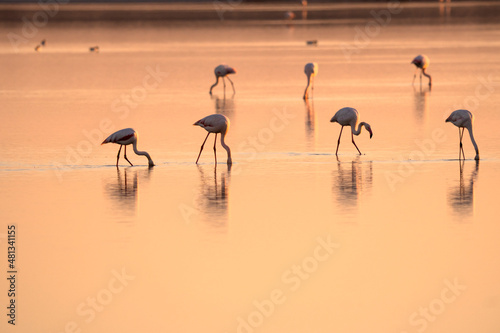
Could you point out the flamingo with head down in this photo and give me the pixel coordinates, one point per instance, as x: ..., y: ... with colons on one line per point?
x: 349, y: 117
x: 215, y: 123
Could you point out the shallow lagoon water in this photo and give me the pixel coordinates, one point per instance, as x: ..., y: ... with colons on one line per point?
x: 403, y: 238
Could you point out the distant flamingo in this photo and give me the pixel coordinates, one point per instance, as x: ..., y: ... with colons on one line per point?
x: 422, y: 62
x: 223, y: 71
x: 349, y: 117
x: 464, y: 119
x: 311, y: 70
x: 125, y: 137
x: 215, y: 123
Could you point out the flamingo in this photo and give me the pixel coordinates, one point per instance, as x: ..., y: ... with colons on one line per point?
x: 223, y: 71
x: 463, y: 119
x: 349, y: 117
x: 422, y: 62
x: 311, y: 69
x: 125, y: 137
x: 215, y: 123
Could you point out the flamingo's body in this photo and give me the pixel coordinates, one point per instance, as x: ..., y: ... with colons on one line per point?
x: 215, y: 123
x: 349, y: 117
x: 464, y: 119
x: 422, y: 62
x: 311, y: 70
x: 126, y: 137
x: 223, y: 71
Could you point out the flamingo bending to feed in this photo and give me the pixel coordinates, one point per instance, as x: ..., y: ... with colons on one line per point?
x: 464, y: 119
x: 215, y: 123
x: 311, y: 70
x: 349, y: 117
x: 223, y: 71
x: 422, y: 62
x: 125, y: 137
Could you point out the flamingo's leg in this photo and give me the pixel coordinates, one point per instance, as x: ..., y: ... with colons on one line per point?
x: 338, y: 142
x: 125, y: 154
x: 215, y: 152
x: 461, y: 151
x: 118, y: 156
x: 234, y: 91
x: 352, y: 136
x: 202, y: 147
x: 414, y: 75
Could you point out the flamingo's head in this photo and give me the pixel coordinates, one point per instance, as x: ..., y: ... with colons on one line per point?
x: 369, y: 129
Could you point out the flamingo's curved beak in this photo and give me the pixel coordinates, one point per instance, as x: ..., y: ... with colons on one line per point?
x: 371, y: 133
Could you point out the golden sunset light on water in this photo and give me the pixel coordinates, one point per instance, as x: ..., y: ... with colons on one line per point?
x: 328, y: 183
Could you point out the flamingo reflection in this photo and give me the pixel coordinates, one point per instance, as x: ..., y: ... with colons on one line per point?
x: 350, y: 182
x: 310, y: 122
x: 461, y: 196
x: 122, y: 189
x: 223, y: 105
x: 421, y: 100
x: 214, y: 195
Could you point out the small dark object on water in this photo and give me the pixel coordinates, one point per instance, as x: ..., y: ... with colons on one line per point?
x: 42, y: 43
x: 312, y: 42
x: 94, y: 49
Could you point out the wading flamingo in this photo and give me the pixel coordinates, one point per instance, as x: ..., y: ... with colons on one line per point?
x: 464, y: 119
x: 349, y: 117
x: 215, y: 123
x: 422, y: 62
x: 125, y: 137
x: 311, y: 70
x: 223, y: 71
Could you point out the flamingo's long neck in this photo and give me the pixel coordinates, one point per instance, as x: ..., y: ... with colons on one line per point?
x: 308, y: 85
x: 469, y: 128
x: 358, y: 131
x: 134, y: 145
x: 226, y: 147
x: 216, y: 82
x: 425, y: 74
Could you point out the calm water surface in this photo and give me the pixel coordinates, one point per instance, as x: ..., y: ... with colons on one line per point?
x: 403, y: 238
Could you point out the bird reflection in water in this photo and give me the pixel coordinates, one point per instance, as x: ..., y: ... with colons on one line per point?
x: 350, y: 180
x: 214, y: 194
x: 223, y: 105
x: 122, y: 189
x: 421, y: 100
x: 461, y: 196
x: 310, y: 122
x: 445, y: 9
